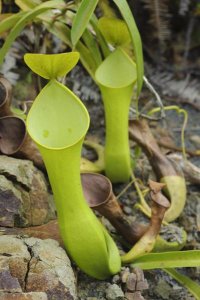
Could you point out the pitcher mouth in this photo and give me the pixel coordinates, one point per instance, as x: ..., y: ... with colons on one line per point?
x: 97, y: 189
x: 125, y: 75
x: 5, y: 94
x: 12, y: 134
x: 57, y: 119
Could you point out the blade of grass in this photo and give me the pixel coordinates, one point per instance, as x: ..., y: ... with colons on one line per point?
x: 27, y: 4
x: 81, y: 19
x: 91, y: 44
x: 10, y: 21
x: 29, y: 16
x: 175, y: 259
x: 104, y: 46
x: 136, y: 40
x: 191, y: 285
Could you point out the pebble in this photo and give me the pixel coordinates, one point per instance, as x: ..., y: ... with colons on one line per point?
x: 127, y: 210
x: 131, y: 282
x: 195, y: 139
x: 114, y: 292
x: 116, y: 279
x: 124, y: 275
x: 142, y: 285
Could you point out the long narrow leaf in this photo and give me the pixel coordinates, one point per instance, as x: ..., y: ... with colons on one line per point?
x: 10, y: 21
x: 191, y: 285
x: 81, y: 19
x: 91, y: 44
x: 29, y: 16
x: 136, y: 40
x: 27, y: 4
x: 104, y: 46
x: 175, y: 259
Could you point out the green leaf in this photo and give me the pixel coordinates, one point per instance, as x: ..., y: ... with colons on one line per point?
x: 175, y: 259
x: 27, y: 17
x: 51, y: 66
x: 191, y: 285
x: 136, y: 40
x: 115, y: 31
x: 10, y: 21
x: 27, y: 4
x: 81, y: 19
x: 100, y: 38
x: 91, y: 44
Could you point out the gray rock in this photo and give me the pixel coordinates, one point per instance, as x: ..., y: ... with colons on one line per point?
x: 127, y: 210
x: 24, y: 296
x: 124, y: 275
x: 134, y: 296
x: 138, y: 296
x: 29, y: 266
x: 9, y: 283
x: 91, y: 288
x: 163, y: 289
x: 116, y: 279
x: 131, y: 282
x: 114, y: 292
x: 24, y: 198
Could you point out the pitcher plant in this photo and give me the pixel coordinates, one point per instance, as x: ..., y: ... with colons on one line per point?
x: 58, y: 122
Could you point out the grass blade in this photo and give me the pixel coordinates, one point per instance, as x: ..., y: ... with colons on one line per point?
x: 175, y: 259
x: 10, y: 21
x: 81, y: 19
x: 91, y: 44
x: 191, y: 285
x: 27, y: 4
x: 104, y: 46
x: 136, y: 40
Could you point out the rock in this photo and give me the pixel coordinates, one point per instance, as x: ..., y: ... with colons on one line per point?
x: 131, y: 282
x: 138, y: 296
x: 23, y: 296
x: 127, y: 210
x: 195, y: 139
x: 89, y: 287
x: 139, y: 274
x: 31, y: 268
x: 129, y: 296
x: 142, y: 285
x: 124, y: 275
x: 49, y: 230
x: 14, y: 258
x: 24, y: 198
x: 163, y: 289
x: 134, y: 296
x: 9, y: 283
x: 116, y: 279
x: 10, y: 203
x: 114, y: 292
